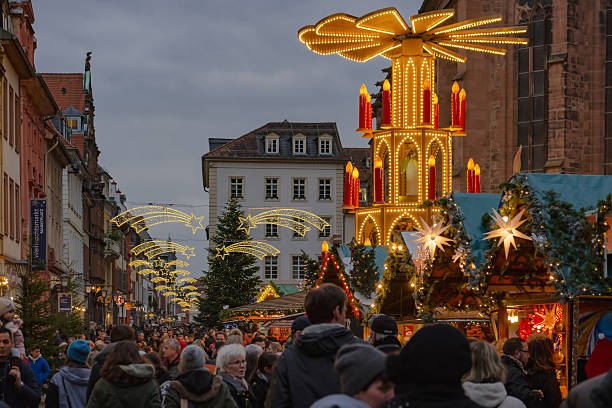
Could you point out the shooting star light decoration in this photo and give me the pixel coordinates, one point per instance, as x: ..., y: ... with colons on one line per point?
x: 141, y: 218
x: 137, y: 263
x: 148, y: 271
x: 151, y: 249
x: 256, y: 248
x: 507, y: 231
x: 299, y: 221
x: 431, y: 237
x: 382, y: 32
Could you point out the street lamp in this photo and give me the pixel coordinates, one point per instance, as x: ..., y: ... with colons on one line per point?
x: 88, y: 287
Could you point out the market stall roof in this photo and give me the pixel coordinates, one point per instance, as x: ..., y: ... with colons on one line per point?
x: 381, y: 253
x: 580, y: 190
x: 287, y: 289
x: 288, y: 302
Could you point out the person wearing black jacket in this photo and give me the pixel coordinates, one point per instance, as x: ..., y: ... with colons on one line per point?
x: 305, y: 371
x: 259, y: 381
x: 18, y: 386
x: 516, y: 355
x: 542, y: 372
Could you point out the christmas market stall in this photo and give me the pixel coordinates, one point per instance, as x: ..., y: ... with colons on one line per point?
x: 544, y: 272
x: 277, y: 310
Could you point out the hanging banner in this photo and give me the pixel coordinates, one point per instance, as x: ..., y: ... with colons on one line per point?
x: 38, y: 232
x: 64, y: 302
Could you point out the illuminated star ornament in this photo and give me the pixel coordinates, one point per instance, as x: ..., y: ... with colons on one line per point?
x: 256, y: 248
x: 141, y: 218
x: 432, y: 237
x: 151, y: 249
x: 299, y: 221
x: 382, y: 32
x: 507, y: 231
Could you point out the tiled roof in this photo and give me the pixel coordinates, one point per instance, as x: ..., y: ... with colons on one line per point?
x: 252, y: 144
x: 67, y: 89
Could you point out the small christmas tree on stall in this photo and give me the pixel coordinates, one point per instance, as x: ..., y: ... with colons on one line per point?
x: 333, y: 272
x: 365, y: 272
x: 311, y: 272
x: 231, y: 280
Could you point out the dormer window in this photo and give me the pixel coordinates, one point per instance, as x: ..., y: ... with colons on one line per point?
x: 272, y: 144
x: 325, y: 145
x: 299, y: 144
x: 73, y: 122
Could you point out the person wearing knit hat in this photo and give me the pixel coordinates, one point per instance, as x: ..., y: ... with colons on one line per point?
x: 428, y: 370
x: 196, y: 384
x: 361, y: 368
x: 68, y: 387
x: 6, y: 306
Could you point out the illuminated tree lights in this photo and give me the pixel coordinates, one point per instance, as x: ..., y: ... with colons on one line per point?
x: 256, y: 248
x: 141, y: 218
x: 296, y: 220
x: 507, y: 231
x: 331, y: 272
x: 151, y: 249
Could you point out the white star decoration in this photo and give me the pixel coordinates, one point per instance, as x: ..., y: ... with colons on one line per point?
x: 432, y: 237
x: 507, y: 230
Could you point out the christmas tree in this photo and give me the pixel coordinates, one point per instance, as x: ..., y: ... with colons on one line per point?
x: 231, y: 280
x: 333, y: 272
x: 365, y: 273
x: 311, y: 272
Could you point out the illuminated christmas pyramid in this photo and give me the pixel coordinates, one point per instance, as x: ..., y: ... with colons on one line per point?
x: 412, y: 156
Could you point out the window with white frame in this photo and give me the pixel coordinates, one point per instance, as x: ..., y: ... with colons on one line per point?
x: 271, y: 231
x: 271, y: 267
x: 326, y: 231
x: 299, y: 188
x: 325, y: 145
x: 297, y: 267
x: 236, y: 188
x: 325, y: 189
x: 299, y: 145
x: 272, y: 144
x: 271, y: 189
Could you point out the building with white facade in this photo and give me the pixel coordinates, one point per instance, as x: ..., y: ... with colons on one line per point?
x: 280, y: 165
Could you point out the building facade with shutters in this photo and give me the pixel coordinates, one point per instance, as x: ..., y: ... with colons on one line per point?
x: 552, y: 97
x: 280, y: 165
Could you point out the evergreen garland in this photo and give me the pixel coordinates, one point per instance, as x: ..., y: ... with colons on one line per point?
x: 365, y: 272
x: 399, y: 273
x: 231, y: 281
x: 311, y: 271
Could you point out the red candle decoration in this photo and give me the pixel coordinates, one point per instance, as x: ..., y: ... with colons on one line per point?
x: 362, y: 108
x: 477, y: 178
x: 378, y: 181
x: 355, y: 187
x: 386, y: 104
x: 455, y: 105
x: 470, y: 176
x: 324, y: 251
x: 462, y: 106
x: 436, y: 111
x: 431, y: 187
x: 348, y: 186
x: 426, y: 104
x: 368, y: 112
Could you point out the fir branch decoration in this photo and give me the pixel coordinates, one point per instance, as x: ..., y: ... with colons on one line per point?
x: 365, y: 272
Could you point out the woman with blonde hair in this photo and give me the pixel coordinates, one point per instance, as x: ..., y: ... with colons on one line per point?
x: 484, y: 383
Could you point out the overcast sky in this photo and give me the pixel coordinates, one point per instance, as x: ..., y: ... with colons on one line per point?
x: 167, y: 75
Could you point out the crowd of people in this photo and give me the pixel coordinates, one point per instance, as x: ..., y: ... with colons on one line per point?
x: 321, y: 365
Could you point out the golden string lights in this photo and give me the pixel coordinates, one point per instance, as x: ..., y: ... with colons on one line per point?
x: 383, y: 32
x: 256, y: 248
x: 296, y: 220
x: 151, y: 249
x: 141, y: 218
x: 507, y: 231
x: 137, y: 263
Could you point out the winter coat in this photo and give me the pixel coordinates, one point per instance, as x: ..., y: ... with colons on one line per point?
x: 546, y: 381
x: 68, y: 388
x: 517, y: 384
x: 173, y: 368
x: 339, y: 401
x: 18, y: 340
x: 96, y: 368
x: 142, y: 395
x: 40, y: 368
x: 491, y: 395
x: 259, y: 389
x: 237, y: 390
x: 305, y: 371
x: 593, y: 393
x: 29, y: 396
x: 201, y: 389
x: 433, y: 396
